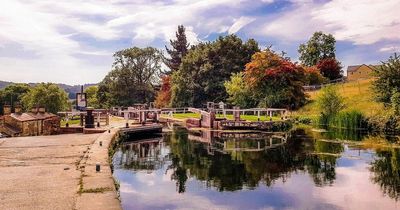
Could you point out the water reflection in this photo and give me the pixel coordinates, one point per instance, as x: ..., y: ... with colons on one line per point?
x: 201, y: 163
x: 386, y: 172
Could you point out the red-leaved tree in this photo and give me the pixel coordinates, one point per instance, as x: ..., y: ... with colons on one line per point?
x: 275, y: 81
x: 164, y: 95
x: 330, y: 68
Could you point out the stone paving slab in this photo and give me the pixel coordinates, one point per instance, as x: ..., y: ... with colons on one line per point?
x: 43, y: 172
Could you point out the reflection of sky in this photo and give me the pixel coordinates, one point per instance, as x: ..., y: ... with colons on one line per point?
x: 352, y: 189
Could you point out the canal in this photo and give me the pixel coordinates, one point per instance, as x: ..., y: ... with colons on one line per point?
x: 296, y: 170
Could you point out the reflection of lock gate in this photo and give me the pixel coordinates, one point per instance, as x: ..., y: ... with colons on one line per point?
x: 224, y: 142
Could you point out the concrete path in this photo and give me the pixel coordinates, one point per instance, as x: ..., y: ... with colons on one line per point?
x: 56, y: 172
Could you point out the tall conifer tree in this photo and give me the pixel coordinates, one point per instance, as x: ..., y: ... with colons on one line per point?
x: 178, y: 51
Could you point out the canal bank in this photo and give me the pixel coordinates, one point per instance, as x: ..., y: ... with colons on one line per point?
x: 57, y: 172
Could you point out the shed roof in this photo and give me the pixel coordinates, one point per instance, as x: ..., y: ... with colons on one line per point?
x: 29, y: 116
x: 356, y: 67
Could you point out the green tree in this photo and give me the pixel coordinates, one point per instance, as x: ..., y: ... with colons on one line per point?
x: 388, y: 79
x: 132, y: 79
x: 330, y: 102
x: 239, y: 93
x: 319, y: 46
x: 395, y: 100
x: 206, y: 67
x: 179, y: 49
x: 12, y: 94
x: 47, y: 95
x: 91, y: 94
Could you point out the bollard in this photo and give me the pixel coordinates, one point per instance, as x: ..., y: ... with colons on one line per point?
x: 127, y: 125
x: 97, y: 167
x: 98, y: 124
x: 101, y: 143
x: 67, y: 125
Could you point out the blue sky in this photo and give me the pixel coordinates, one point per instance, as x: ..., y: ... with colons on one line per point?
x: 73, y: 41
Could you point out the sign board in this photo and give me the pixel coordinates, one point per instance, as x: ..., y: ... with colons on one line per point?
x: 81, y: 101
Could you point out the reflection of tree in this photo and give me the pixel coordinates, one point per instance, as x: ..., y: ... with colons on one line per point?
x: 229, y: 172
x: 386, y: 172
x: 321, y: 166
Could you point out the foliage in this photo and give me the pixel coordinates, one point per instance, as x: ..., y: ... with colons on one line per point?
x: 47, y: 95
x: 12, y: 94
x: 275, y: 81
x: 164, y: 95
x: 319, y: 46
x: 91, y: 94
x: 388, y: 79
x: 206, y: 67
x: 178, y: 51
x: 239, y: 93
x: 134, y: 73
x: 330, y: 68
x: 386, y: 172
x: 313, y: 76
x: 330, y: 102
x: 395, y: 100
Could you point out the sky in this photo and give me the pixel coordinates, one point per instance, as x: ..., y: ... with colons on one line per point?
x: 72, y: 41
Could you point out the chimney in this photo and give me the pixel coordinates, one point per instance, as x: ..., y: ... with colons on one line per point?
x: 34, y: 110
x: 42, y: 110
x: 18, y: 109
x: 6, y: 109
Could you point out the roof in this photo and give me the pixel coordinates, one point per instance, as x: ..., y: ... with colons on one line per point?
x: 356, y: 67
x: 29, y: 116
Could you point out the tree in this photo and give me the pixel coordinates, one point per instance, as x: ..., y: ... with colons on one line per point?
x: 164, y: 95
x: 132, y: 79
x: 319, y: 46
x: 47, y: 95
x: 275, y: 81
x: 330, y: 102
x: 395, y: 100
x: 239, y: 93
x: 388, y: 79
x: 313, y: 76
x: 330, y: 68
x: 206, y: 67
x: 91, y: 94
x: 12, y: 94
x: 179, y: 49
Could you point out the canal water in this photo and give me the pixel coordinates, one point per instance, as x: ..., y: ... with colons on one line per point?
x: 296, y: 170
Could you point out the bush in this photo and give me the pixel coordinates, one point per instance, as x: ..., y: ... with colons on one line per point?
x: 330, y: 102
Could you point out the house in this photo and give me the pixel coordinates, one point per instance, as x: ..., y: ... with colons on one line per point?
x: 34, y: 123
x: 360, y: 72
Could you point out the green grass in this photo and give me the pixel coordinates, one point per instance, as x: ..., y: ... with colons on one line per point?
x: 183, y: 116
x: 358, y: 95
x: 71, y: 122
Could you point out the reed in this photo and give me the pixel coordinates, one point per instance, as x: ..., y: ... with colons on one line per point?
x: 352, y: 120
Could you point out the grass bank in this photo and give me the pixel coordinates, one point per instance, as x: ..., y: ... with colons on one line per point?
x: 358, y: 95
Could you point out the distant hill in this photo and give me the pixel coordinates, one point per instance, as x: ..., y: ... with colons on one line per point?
x: 4, y: 84
x: 70, y: 89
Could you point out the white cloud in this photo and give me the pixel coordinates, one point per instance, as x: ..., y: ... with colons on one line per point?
x: 390, y: 49
x: 239, y: 24
x: 361, y: 21
x: 73, y: 41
